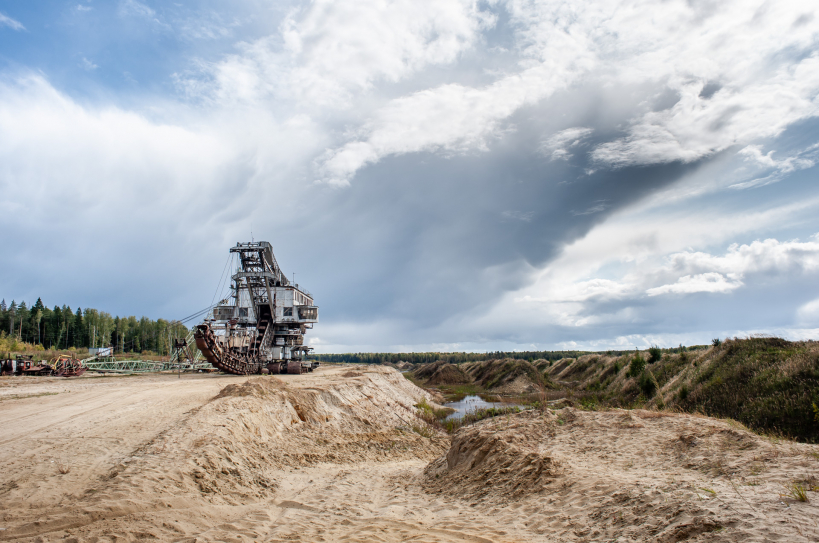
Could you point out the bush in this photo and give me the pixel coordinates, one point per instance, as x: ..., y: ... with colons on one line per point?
x: 654, y: 354
x: 647, y: 384
x: 683, y: 394
x: 716, y: 342
x: 637, y: 365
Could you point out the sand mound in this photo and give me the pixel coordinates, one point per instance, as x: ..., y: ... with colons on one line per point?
x: 258, y: 388
x: 498, y: 462
x: 448, y: 374
x: 250, y: 430
x: 508, y: 376
x: 638, y: 475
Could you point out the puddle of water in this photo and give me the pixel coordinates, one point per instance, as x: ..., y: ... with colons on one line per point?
x: 472, y: 403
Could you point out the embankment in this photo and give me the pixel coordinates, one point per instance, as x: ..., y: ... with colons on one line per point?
x: 768, y: 384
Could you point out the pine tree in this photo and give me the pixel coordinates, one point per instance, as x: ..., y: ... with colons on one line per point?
x: 12, y: 314
x: 79, y: 329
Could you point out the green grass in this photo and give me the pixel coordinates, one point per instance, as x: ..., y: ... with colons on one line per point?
x: 456, y: 393
x: 472, y: 417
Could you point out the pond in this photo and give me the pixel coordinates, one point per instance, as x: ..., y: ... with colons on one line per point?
x: 472, y: 403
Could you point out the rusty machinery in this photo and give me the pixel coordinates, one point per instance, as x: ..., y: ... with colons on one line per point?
x: 61, y: 366
x: 260, y: 327
x: 67, y: 366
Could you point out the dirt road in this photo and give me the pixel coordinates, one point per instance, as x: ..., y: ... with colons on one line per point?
x: 339, y: 455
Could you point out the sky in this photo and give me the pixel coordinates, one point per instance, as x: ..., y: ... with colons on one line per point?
x: 442, y: 175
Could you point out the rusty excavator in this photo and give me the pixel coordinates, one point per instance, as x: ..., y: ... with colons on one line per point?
x: 260, y: 327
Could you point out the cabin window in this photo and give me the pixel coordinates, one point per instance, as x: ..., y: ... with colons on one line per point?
x: 288, y: 311
x: 243, y: 312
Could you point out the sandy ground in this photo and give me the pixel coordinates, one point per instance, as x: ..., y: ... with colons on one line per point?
x: 332, y: 456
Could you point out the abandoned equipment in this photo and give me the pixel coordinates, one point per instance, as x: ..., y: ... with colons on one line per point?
x: 260, y: 327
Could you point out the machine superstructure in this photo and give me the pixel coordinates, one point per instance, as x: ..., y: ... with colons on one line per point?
x: 260, y: 327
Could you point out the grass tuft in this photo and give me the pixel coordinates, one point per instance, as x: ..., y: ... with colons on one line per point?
x: 796, y: 491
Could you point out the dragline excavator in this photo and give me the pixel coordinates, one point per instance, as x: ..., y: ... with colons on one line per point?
x: 260, y: 327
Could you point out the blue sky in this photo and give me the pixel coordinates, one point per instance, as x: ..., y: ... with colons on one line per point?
x: 520, y: 174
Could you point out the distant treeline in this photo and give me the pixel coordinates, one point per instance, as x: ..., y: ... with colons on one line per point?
x: 452, y: 358
x: 63, y: 328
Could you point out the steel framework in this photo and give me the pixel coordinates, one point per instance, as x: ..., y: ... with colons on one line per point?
x: 262, y: 330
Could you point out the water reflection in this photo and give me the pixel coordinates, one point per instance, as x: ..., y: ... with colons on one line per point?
x: 472, y: 403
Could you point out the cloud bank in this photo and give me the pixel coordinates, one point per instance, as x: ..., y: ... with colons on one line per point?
x: 466, y: 175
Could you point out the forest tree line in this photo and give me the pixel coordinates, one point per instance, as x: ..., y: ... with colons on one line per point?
x: 452, y: 358
x: 457, y: 358
x: 64, y: 328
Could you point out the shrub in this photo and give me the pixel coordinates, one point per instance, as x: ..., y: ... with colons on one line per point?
x: 654, y: 354
x: 683, y: 393
x: 647, y: 384
x: 637, y: 365
x: 617, y: 367
x: 589, y: 403
x: 716, y: 342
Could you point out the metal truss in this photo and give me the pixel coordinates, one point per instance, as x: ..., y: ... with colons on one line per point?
x: 110, y: 365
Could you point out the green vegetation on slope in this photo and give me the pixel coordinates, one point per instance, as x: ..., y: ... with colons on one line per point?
x: 768, y: 384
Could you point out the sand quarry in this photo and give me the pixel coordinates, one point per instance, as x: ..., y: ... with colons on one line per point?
x: 332, y: 456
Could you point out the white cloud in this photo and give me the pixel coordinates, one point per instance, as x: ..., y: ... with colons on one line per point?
x: 340, y: 45
x: 762, y: 87
x: 334, y: 51
x: 618, y: 276
x: 134, y: 8
x: 702, y: 282
x: 80, y: 7
x: 450, y: 118
x: 775, y: 170
x: 88, y: 65
x: 559, y: 145
x: 5, y: 20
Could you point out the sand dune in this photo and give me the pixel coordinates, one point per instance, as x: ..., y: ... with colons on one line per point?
x: 332, y: 456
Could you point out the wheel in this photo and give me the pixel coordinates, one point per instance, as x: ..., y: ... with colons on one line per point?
x: 294, y: 366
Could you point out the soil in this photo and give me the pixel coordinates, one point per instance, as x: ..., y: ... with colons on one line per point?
x: 340, y: 455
